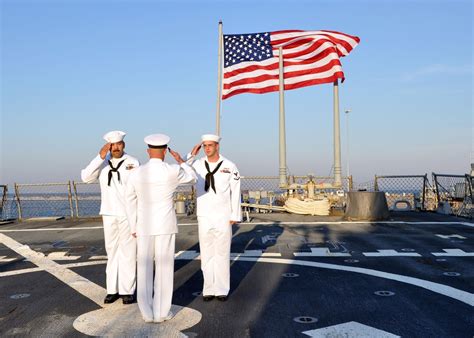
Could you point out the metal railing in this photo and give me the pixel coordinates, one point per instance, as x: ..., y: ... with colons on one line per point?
x: 467, y: 208
x: 456, y: 190
x: 79, y: 200
x: 86, y: 199
x: 409, y: 191
x: 3, y: 192
x: 44, y: 200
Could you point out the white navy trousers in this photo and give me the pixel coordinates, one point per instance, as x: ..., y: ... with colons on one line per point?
x: 121, y: 248
x: 154, y: 296
x: 214, y: 245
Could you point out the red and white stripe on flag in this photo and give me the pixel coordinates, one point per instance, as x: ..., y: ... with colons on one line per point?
x: 251, y: 61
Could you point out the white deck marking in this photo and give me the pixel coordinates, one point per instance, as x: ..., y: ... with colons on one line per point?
x: 82, y: 285
x: 80, y: 264
x: 271, y: 254
x: 257, y: 223
x: 451, y: 236
x: 268, y: 238
x: 187, y: 255
x: 321, y: 252
x: 61, y: 256
x: 19, y: 272
x: 111, y: 320
x: 351, y: 222
x: 441, y: 289
x: 70, y: 265
x: 127, y: 321
x: 4, y: 259
x: 350, y: 329
x: 454, y: 252
x: 445, y: 290
x: 390, y: 253
x: 192, y: 254
x: 97, y: 257
x: 52, y: 229
x: 255, y: 253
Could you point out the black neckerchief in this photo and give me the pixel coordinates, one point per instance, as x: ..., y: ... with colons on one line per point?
x: 210, y: 176
x: 114, y: 170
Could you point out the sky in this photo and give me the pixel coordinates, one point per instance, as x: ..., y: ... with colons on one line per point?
x: 73, y: 70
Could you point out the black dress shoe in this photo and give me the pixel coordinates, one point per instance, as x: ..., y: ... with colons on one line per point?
x: 111, y: 298
x: 207, y: 298
x: 128, y: 299
x: 222, y: 298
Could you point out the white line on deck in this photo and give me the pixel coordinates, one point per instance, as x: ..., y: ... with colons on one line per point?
x: 71, y: 278
x: 257, y: 223
x: 61, y: 256
x: 321, y: 252
x: 454, y: 252
x: 390, y: 253
x: 98, y: 257
x: 350, y: 329
x: 51, y: 229
x: 70, y: 265
x: 111, y: 320
x: 451, y: 236
x: 4, y: 259
x: 445, y: 290
x: 256, y: 253
x: 82, y: 285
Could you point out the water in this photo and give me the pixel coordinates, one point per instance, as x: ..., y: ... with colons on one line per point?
x: 50, y: 205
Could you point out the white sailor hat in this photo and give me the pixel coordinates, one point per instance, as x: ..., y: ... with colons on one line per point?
x: 210, y: 137
x: 114, y: 136
x: 157, y: 140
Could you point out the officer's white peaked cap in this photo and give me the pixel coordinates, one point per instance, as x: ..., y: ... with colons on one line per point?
x: 114, y: 136
x: 210, y: 137
x: 157, y: 140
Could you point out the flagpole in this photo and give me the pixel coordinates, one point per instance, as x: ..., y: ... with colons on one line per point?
x: 219, y: 82
x: 337, y: 137
x: 283, y: 181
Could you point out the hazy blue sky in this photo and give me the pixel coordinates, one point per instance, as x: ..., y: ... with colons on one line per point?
x: 73, y: 70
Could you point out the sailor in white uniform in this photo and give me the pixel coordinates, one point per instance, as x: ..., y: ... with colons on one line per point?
x: 218, y: 208
x: 152, y: 217
x: 112, y: 167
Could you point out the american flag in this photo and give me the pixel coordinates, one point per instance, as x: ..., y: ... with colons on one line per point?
x: 309, y: 58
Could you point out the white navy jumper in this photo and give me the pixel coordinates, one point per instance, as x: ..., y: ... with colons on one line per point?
x: 215, y: 209
x: 150, y: 208
x: 119, y: 243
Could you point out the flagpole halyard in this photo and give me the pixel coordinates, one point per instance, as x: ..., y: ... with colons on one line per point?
x: 219, y: 82
x: 337, y: 137
x: 282, y: 134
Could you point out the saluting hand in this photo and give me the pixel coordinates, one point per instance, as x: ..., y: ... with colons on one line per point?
x: 196, y: 149
x: 104, y: 150
x: 176, y: 156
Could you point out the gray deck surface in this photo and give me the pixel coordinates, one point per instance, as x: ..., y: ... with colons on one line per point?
x: 318, y: 270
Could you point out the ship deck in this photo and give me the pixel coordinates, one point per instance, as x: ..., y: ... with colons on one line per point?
x: 291, y: 276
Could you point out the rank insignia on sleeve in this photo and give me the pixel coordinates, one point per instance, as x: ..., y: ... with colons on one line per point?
x: 237, y: 176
